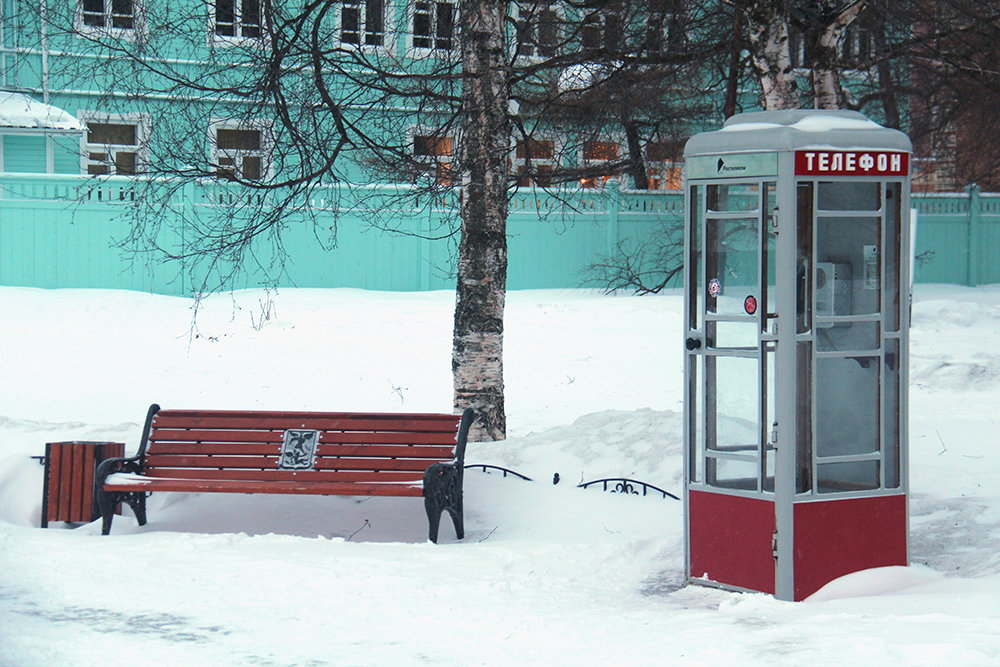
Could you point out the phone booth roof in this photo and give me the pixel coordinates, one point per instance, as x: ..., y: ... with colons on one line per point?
x: 796, y: 129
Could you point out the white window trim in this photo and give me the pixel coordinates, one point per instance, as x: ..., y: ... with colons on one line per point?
x: 390, y: 30
x: 542, y: 4
x: 136, y: 32
x: 143, y: 131
x: 266, y: 129
x: 217, y: 40
x: 424, y: 51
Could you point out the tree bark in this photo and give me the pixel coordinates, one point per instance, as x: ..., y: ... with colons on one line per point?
x: 477, y: 352
x: 770, y: 54
x: 827, y: 91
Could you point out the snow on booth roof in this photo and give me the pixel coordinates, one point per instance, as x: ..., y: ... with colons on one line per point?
x: 24, y: 114
x: 794, y: 129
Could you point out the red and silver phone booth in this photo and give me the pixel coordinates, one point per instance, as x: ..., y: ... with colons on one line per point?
x: 796, y: 317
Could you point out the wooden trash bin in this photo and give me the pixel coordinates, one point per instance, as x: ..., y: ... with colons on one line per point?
x: 69, y: 479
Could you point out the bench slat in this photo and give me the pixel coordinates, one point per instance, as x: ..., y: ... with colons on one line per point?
x: 318, y: 421
x: 274, y: 449
x: 271, y: 486
x: 267, y: 462
x: 385, y: 477
x: 446, y: 438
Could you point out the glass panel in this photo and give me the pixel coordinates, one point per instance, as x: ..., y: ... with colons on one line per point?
x: 804, y: 216
x: 422, y: 25
x: 696, y: 435
x: 803, y: 417
x: 738, y: 197
x: 374, y: 23
x: 731, y: 265
x: 732, y: 473
x: 225, y: 17
x: 732, y: 406
x: 846, y: 336
x: 732, y: 335
x: 770, y: 305
x: 111, y: 133
x: 696, y: 289
x: 852, y: 476
x: 847, y: 249
x: 893, y: 250
x: 246, y: 140
x: 768, y: 422
x: 350, y: 22
x: 124, y: 163
x: 890, y: 387
x: 850, y: 196
x: 445, y: 26
x: 847, y: 406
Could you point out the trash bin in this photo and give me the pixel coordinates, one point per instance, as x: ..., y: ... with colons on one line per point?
x: 69, y: 479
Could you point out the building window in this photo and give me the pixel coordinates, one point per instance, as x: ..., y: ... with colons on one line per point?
x: 534, y: 160
x: 433, y: 155
x: 362, y: 22
x: 537, y: 31
x: 664, y: 28
x: 114, y: 146
x: 108, y: 17
x: 236, y: 19
x: 239, y: 153
x: 596, y: 156
x: 664, y: 169
x: 434, y: 25
x: 601, y: 31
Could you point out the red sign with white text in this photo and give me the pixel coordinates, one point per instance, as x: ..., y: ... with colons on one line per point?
x: 851, y: 163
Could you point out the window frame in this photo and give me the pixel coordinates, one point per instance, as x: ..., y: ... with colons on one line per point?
x: 538, y: 8
x: 264, y: 152
x: 142, y: 124
x: 670, y: 170
x: 436, y: 167
x: 516, y: 162
x: 388, y: 27
x: 217, y: 39
x: 411, y: 35
x: 135, y: 32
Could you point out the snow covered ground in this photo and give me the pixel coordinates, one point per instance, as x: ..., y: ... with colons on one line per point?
x: 547, y: 574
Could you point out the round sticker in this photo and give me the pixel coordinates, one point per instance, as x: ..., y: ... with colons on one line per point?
x: 750, y: 304
x: 714, y: 287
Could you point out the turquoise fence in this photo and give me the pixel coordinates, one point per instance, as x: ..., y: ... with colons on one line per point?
x: 64, y: 232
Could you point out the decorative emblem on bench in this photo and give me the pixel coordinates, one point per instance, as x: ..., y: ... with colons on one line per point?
x: 298, y: 451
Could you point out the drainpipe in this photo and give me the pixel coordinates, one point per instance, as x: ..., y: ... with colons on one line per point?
x: 49, y: 144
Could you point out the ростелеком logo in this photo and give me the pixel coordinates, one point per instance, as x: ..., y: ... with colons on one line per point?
x: 722, y: 168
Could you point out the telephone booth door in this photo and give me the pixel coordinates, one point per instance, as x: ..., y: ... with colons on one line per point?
x: 730, y: 367
x: 795, y: 354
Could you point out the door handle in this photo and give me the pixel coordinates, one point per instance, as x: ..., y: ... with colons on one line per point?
x: 692, y: 343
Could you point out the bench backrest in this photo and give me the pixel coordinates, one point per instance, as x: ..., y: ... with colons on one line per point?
x: 345, y: 447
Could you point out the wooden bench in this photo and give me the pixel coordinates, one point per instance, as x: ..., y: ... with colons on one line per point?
x: 344, y: 454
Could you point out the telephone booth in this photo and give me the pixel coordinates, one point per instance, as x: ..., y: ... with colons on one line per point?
x: 797, y: 295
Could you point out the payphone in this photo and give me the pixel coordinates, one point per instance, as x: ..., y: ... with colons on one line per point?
x: 795, y: 331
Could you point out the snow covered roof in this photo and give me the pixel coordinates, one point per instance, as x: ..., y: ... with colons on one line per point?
x: 794, y: 129
x: 21, y: 114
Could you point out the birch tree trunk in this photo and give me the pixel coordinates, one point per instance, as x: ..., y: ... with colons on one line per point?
x: 477, y: 352
x: 771, y: 56
x: 827, y: 91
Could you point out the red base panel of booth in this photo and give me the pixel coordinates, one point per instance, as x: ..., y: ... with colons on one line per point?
x: 837, y: 537
x: 730, y: 540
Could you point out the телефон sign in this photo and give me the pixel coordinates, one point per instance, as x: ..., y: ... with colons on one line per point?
x: 851, y: 163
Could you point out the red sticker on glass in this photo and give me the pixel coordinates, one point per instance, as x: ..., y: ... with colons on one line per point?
x: 750, y: 304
